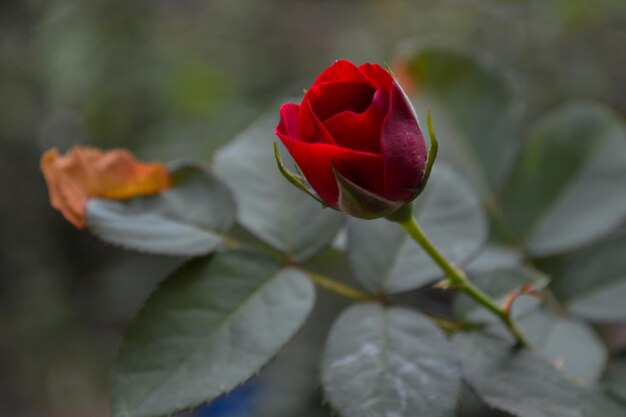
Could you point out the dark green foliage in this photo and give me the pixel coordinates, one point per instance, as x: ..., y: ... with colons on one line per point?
x: 208, y: 328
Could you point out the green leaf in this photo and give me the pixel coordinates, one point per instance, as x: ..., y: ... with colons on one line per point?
x: 208, y: 328
x: 615, y: 377
x: 598, y: 404
x: 568, y: 187
x: 497, y: 283
x: 470, y: 405
x: 515, y: 380
x: 385, y: 259
x: 481, y: 107
x: 573, y: 345
x: 494, y: 256
x: 389, y: 362
x: 268, y: 206
x: 189, y: 218
x: 593, y: 285
x: 290, y: 384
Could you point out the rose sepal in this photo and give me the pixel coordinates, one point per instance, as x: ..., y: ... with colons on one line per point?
x: 432, y: 156
x: 296, y: 180
x: 359, y: 202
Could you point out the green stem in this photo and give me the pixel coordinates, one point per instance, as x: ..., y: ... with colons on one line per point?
x: 318, y: 279
x: 456, y: 277
x: 337, y: 287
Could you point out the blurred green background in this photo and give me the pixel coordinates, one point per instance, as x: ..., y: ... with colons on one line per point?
x: 178, y: 79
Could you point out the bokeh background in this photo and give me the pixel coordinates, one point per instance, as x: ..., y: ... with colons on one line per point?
x: 178, y: 79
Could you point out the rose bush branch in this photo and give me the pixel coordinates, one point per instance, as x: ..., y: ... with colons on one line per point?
x: 456, y: 278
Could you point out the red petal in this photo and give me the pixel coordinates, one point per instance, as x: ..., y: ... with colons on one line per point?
x: 377, y: 75
x: 360, y: 131
x: 403, y: 147
x: 341, y: 70
x: 329, y: 99
x: 310, y: 127
x: 288, y: 124
x: 315, y: 160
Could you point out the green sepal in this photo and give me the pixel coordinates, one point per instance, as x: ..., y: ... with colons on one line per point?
x: 388, y: 68
x: 432, y: 155
x: 432, y: 151
x: 297, y: 180
x: 359, y: 202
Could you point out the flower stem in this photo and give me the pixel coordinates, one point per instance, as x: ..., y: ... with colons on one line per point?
x: 338, y: 287
x: 456, y: 278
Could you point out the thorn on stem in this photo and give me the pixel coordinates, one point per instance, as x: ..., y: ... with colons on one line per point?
x: 510, y: 298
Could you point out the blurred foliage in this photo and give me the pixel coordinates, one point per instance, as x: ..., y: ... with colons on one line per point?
x: 178, y: 79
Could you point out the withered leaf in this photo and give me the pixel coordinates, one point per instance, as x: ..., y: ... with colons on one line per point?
x: 84, y: 172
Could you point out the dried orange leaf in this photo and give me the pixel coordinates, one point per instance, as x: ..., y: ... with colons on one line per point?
x: 85, y: 172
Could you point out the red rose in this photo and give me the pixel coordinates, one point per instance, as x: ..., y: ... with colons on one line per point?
x: 356, y: 137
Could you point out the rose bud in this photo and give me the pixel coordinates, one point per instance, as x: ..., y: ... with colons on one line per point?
x: 356, y: 139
